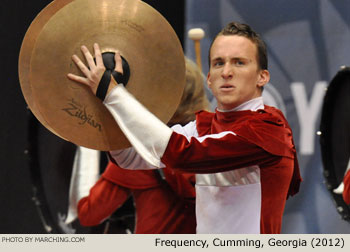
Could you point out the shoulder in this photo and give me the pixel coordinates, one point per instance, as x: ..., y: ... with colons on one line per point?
x: 267, y: 121
x: 272, y: 115
x: 269, y: 129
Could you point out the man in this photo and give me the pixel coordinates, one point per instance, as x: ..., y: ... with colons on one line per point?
x: 243, y: 154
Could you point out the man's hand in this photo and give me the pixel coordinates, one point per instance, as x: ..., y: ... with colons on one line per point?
x: 94, y: 72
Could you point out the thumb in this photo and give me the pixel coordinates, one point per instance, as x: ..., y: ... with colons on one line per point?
x: 118, y: 63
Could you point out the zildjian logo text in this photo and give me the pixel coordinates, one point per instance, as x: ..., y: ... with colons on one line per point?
x: 76, y: 110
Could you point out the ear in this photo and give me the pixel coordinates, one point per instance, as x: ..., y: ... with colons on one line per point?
x: 208, y: 80
x: 264, y: 78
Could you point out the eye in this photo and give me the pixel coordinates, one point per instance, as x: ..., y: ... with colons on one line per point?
x: 218, y: 63
x: 239, y: 62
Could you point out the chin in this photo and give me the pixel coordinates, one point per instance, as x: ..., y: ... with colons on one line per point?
x: 228, y: 105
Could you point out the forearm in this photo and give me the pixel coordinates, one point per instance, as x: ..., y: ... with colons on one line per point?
x: 131, y: 160
x: 148, y: 135
x: 214, y: 153
x: 104, y: 198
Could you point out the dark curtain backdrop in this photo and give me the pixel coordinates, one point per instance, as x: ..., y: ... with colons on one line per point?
x: 18, y: 213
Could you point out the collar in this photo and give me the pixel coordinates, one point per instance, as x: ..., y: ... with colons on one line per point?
x: 252, y: 105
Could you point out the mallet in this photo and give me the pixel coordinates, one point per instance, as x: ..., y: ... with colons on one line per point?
x: 196, y: 34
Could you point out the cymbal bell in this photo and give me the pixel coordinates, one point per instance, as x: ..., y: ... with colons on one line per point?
x: 145, y: 40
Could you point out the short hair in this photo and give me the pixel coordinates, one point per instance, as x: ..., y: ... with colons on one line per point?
x: 244, y: 30
x: 193, y: 98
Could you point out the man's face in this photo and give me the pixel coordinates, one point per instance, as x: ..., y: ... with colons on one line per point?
x: 234, y: 76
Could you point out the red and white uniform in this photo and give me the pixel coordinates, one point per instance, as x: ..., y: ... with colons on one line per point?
x: 245, y: 160
x: 161, y: 205
x: 346, y: 192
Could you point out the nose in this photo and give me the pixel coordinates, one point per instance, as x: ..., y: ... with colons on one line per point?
x: 227, y: 71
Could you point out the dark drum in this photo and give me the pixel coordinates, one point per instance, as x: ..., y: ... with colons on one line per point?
x: 335, y: 136
x: 50, y: 161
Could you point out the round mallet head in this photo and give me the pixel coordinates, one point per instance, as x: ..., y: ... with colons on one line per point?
x: 196, y: 33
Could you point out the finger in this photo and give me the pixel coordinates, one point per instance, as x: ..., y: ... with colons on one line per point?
x: 118, y: 63
x: 98, y: 55
x: 113, y: 82
x: 81, y: 65
x: 77, y: 78
x: 88, y: 57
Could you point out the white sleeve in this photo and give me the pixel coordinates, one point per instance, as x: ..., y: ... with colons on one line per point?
x: 340, y: 188
x: 131, y: 160
x: 147, y: 134
x: 85, y: 173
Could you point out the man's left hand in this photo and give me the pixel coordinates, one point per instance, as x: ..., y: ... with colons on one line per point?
x: 94, y: 72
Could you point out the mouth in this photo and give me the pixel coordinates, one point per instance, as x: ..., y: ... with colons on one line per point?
x: 227, y: 87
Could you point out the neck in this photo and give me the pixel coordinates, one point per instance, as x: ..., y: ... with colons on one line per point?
x: 253, y: 105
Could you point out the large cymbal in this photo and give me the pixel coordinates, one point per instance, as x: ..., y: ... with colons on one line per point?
x: 143, y: 37
x: 26, y: 52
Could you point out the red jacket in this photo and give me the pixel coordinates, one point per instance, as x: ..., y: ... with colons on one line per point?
x: 245, y: 144
x: 162, y: 206
x: 346, y: 192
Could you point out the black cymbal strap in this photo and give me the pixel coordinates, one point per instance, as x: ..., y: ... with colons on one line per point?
x: 103, y: 85
x: 120, y: 78
x: 109, y: 63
